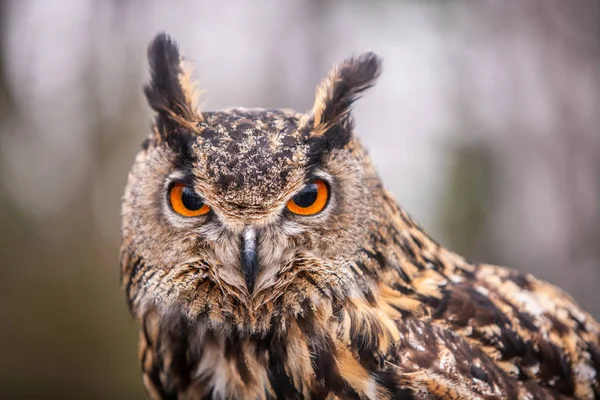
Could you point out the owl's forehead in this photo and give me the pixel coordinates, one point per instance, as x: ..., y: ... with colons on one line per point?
x: 252, y: 157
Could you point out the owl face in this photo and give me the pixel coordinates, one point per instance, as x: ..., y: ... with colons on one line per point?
x: 235, y: 209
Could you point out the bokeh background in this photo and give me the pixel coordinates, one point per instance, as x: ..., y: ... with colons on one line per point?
x: 485, y: 125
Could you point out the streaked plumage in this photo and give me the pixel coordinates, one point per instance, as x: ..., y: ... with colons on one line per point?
x: 356, y: 301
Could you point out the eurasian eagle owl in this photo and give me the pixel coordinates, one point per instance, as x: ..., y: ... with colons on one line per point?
x: 265, y: 259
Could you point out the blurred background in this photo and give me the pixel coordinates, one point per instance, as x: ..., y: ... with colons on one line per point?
x: 485, y: 125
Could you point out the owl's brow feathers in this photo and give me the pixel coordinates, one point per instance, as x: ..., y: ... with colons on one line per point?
x: 330, y: 125
x: 171, y: 91
x: 173, y: 95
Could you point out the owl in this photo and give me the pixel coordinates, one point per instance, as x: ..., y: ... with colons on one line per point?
x: 264, y: 259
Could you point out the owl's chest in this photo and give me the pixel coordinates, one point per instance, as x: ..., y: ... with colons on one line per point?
x: 228, y: 368
x: 308, y: 360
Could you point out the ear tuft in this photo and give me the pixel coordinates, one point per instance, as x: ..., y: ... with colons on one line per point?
x: 171, y: 91
x: 340, y: 89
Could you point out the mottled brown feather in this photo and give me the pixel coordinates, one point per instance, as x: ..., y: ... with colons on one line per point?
x: 356, y: 302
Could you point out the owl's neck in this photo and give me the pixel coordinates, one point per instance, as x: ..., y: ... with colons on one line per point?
x: 326, y: 348
x: 399, y: 250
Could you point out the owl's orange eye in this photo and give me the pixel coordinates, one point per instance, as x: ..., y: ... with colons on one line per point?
x: 185, y: 201
x: 311, y: 200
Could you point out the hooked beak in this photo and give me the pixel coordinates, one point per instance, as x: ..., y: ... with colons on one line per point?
x: 249, y: 250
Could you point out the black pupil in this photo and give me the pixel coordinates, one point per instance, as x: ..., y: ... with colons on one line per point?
x: 306, y: 197
x: 191, y: 200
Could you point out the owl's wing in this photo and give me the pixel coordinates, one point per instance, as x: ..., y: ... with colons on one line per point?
x: 493, y: 330
x: 432, y: 362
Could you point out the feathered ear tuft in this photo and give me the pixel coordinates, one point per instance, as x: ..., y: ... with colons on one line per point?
x: 171, y: 91
x: 339, y: 90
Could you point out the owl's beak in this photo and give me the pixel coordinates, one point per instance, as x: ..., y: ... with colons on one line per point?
x: 249, y: 257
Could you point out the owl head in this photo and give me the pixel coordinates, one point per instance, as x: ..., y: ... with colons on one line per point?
x: 242, y: 216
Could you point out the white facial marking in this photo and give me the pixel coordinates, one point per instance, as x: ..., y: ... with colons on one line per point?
x: 250, y: 239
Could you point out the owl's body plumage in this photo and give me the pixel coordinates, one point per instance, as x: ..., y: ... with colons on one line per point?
x: 251, y: 300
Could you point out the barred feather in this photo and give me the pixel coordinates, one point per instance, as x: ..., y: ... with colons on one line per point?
x: 356, y: 302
